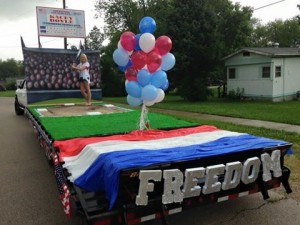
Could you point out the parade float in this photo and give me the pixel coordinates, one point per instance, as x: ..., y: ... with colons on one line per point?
x: 127, y: 165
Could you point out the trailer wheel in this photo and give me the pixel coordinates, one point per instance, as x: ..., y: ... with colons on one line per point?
x: 78, y: 214
x: 84, y: 222
x: 18, y: 110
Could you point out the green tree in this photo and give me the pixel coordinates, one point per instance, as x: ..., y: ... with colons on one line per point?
x: 203, y: 31
x: 120, y: 16
x: 113, y: 79
x: 286, y: 33
x: 260, y: 36
x: 95, y: 39
x: 73, y: 47
x: 234, y: 25
x: 10, y: 68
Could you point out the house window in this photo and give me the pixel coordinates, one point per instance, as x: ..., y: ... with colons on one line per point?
x: 231, y: 73
x: 266, y: 72
x: 278, y: 71
x: 246, y: 53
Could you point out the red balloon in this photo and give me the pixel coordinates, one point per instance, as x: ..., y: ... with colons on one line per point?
x: 128, y: 40
x: 163, y: 44
x: 130, y: 74
x: 138, y: 59
x: 154, y: 60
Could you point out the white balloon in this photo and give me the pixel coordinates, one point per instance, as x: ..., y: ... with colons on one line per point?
x: 149, y: 103
x: 147, y: 42
x: 160, y: 95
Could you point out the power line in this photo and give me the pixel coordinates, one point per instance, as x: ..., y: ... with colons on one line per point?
x: 261, y: 7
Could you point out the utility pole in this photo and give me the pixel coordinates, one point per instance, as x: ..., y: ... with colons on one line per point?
x: 144, y: 7
x: 264, y: 6
x: 298, y: 17
x: 65, y: 39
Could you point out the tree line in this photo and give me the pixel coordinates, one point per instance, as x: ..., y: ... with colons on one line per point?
x: 202, y: 32
x: 10, y: 68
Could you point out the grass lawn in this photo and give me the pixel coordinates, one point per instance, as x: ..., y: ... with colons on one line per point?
x: 283, y: 112
x: 7, y: 93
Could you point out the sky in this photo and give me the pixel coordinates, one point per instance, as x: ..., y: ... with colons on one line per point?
x: 270, y: 10
x: 18, y: 18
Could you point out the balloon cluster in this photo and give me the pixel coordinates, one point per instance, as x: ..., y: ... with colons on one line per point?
x: 144, y: 60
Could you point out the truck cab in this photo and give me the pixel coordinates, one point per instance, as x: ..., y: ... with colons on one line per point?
x: 21, y: 98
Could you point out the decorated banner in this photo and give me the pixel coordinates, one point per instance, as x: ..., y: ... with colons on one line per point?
x: 145, y: 61
x: 50, y: 69
x: 55, y: 22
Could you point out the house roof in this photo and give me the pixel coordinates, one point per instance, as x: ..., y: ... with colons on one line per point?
x: 269, y: 51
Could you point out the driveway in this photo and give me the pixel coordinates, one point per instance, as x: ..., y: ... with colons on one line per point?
x: 28, y: 193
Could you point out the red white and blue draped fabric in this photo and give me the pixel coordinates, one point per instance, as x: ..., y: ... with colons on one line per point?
x: 95, y: 163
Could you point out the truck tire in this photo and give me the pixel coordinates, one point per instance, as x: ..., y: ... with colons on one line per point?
x: 18, y: 110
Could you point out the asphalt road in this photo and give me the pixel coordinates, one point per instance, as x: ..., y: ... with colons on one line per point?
x: 28, y: 193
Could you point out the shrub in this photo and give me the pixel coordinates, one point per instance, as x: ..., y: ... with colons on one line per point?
x: 11, y: 85
x: 237, y: 94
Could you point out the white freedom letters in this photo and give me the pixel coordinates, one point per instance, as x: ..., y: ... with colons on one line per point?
x: 234, y: 173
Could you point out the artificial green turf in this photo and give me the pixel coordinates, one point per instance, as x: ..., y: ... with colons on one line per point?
x: 61, y: 128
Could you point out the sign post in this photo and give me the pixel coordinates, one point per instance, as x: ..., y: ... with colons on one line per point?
x: 65, y: 39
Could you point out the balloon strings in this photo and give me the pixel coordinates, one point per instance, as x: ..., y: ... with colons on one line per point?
x: 144, y: 122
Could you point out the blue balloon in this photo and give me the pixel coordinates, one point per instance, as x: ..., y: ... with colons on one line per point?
x: 133, y: 89
x: 165, y: 86
x: 168, y: 61
x: 137, y: 46
x: 120, y: 57
x: 123, y: 68
x: 147, y: 25
x: 132, y: 101
x: 143, y: 77
x: 149, y: 93
x: 158, y: 78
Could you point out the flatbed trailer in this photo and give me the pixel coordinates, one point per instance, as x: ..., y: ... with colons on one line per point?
x: 140, y: 199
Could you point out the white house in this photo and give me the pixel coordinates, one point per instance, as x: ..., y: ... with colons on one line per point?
x: 271, y: 73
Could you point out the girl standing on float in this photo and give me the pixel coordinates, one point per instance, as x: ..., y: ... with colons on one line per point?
x: 84, y: 78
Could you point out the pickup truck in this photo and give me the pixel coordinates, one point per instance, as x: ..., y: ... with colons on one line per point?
x: 111, y: 174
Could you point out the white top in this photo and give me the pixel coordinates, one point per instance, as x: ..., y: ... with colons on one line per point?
x: 84, y: 73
